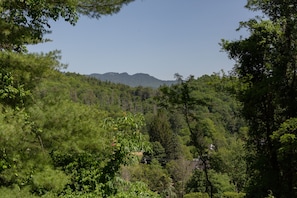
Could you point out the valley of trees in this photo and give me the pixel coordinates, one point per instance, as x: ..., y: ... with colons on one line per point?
x: 221, y: 135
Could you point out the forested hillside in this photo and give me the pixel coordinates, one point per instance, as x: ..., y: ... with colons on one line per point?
x: 74, y: 136
x: 70, y: 135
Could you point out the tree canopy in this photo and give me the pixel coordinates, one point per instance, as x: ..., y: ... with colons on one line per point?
x: 69, y: 135
x: 27, y: 21
x: 266, y: 67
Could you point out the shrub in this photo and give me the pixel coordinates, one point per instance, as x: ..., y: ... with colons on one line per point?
x: 197, y: 195
x: 233, y: 195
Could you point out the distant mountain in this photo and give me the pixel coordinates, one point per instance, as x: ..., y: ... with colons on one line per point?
x: 134, y: 80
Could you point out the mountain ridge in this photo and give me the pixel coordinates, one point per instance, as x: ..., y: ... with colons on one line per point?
x: 134, y: 80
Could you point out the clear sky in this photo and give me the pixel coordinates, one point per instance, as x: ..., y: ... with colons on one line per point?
x: 157, y: 37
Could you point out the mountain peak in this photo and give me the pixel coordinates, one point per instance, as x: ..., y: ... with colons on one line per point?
x: 138, y: 79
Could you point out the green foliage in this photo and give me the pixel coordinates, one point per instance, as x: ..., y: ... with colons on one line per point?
x: 159, y: 130
x: 158, y: 153
x: 49, y: 180
x: 26, y: 22
x: 196, y: 195
x: 211, y: 116
x: 233, y: 195
x: 266, y: 67
x: 127, y: 140
x: 31, y: 19
x: 154, y: 176
x: 197, y: 182
x: 72, y: 147
x: 96, y: 9
x: 285, y: 138
x: 66, y: 135
x: 220, y: 182
x: 15, y: 192
x: 10, y: 93
x: 18, y: 146
x: 180, y: 171
x: 270, y: 194
x: 113, y: 98
x: 231, y: 160
x: 20, y: 73
x: 135, y: 190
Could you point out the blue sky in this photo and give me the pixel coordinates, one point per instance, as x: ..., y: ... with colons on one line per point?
x: 157, y: 37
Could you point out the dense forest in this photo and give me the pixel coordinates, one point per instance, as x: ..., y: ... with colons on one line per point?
x: 221, y: 135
